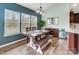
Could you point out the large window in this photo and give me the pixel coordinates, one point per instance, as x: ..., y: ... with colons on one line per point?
x: 25, y: 22
x: 11, y: 22
x: 28, y: 21
x: 33, y: 21
x: 53, y: 20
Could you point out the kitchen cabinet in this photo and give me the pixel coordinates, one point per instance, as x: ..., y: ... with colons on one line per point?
x: 76, y: 17
x: 71, y: 16
x: 73, y: 42
x: 53, y: 31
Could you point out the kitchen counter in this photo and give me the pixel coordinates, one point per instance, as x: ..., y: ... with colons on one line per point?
x: 66, y: 29
x: 55, y: 27
x: 73, y: 31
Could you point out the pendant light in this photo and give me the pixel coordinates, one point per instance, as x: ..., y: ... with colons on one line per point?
x: 40, y: 11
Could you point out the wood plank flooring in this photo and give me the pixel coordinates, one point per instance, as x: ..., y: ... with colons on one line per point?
x: 61, y: 49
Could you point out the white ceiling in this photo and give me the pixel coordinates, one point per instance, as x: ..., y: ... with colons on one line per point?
x: 35, y: 6
x: 75, y: 7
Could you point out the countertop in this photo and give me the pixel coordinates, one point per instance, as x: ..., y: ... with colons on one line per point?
x: 68, y: 30
x: 54, y: 26
x: 73, y: 30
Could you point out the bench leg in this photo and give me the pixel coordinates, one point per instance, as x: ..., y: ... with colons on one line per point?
x: 39, y: 50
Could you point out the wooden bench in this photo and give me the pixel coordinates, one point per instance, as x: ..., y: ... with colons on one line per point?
x: 42, y: 44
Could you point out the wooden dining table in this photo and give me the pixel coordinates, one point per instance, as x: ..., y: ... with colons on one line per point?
x: 32, y: 35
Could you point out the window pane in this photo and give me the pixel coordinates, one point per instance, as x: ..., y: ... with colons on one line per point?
x: 11, y: 23
x: 25, y: 22
x: 33, y: 21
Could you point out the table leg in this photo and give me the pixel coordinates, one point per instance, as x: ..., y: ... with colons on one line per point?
x: 31, y: 44
x: 39, y: 50
x: 34, y: 46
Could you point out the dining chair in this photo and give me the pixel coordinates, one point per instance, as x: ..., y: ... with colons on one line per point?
x: 28, y: 29
x: 33, y: 28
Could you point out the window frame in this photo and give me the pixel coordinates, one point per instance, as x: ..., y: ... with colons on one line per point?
x: 11, y: 34
x: 21, y: 20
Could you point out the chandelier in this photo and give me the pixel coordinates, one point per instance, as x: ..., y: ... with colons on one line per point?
x: 40, y: 11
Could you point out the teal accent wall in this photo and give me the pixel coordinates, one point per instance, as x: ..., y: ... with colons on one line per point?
x: 15, y: 7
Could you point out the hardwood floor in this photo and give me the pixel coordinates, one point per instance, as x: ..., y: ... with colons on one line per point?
x: 60, y: 49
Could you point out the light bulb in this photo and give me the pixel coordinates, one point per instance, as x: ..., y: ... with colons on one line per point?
x: 37, y: 11
x: 43, y: 14
x: 40, y: 12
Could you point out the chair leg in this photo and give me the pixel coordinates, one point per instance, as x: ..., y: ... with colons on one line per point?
x: 27, y: 39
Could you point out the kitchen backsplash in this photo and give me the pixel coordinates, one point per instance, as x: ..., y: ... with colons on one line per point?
x: 74, y: 26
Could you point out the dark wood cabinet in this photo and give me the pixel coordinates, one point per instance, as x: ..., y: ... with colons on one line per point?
x: 71, y: 42
x: 76, y: 17
x: 54, y: 32
x: 78, y: 44
x: 74, y: 42
x: 71, y: 16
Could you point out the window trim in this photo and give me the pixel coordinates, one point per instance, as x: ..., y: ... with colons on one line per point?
x: 5, y: 35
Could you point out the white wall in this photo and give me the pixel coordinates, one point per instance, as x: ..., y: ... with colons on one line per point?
x: 61, y: 11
